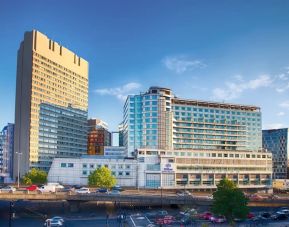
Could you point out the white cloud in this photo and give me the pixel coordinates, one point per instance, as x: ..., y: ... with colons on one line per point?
x: 182, y: 64
x: 280, y: 114
x: 285, y: 104
x: 274, y: 126
x: 119, y: 92
x: 283, y: 76
x: 233, y: 90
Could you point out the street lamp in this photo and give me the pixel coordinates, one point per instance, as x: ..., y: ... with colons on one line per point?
x: 161, y: 196
x: 18, y: 168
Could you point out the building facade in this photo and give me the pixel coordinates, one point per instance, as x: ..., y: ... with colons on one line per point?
x: 157, y: 119
x: 203, y: 169
x: 98, y: 137
x: 74, y: 171
x: 276, y: 141
x: 46, y: 73
x: 6, y: 153
x: 172, y: 169
x: 62, y: 133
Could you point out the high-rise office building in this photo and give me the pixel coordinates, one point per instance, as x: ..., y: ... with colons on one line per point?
x: 98, y: 137
x: 6, y: 152
x: 157, y: 119
x: 46, y: 73
x: 277, y: 142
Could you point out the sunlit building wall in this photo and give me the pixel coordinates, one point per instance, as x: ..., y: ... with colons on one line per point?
x: 46, y: 73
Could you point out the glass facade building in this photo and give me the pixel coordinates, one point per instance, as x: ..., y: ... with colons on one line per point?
x: 157, y: 119
x: 62, y: 133
x: 6, y: 152
x: 276, y: 141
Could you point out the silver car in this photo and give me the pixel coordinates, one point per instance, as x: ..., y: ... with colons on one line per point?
x: 8, y: 189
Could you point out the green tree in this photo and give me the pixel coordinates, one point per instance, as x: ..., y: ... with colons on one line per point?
x: 35, y: 176
x: 229, y: 201
x: 102, y: 178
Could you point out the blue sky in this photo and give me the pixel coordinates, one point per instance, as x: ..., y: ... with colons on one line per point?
x: 232, y: 51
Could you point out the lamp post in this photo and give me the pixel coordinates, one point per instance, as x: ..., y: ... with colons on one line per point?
x: 18, y: 168
x: 161, y: 196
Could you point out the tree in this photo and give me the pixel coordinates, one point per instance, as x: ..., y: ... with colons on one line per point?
x: 230, y: 201
x: 35, y: 176
x: 102, y: 178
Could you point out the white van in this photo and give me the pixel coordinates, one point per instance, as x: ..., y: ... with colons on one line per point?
x: 47, y: 188
x: 58, y: 187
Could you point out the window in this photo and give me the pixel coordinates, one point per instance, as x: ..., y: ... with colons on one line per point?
x: 84, y: 165
x: 127, y: 173
x: 84, y: 172
x: 63, y: 165
x: 120, y: 173
x: 70, y: 165
x: 91, y: 166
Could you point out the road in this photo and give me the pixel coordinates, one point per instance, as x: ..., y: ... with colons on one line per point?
x: 32, y: 222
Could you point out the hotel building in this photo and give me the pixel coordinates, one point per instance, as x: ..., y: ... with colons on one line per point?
x: 277, y: 142
x: 195, y: 143
x: 47, y: 73
x: 159, y: 120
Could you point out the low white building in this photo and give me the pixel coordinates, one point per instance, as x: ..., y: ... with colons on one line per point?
x: 75, y: 171
x: 172, y: 169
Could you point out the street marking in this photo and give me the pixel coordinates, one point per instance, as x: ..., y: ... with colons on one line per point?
x: 132, y: 221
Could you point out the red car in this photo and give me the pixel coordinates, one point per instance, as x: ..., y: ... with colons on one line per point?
x: 205, y: 216
x: 31, y: 188
x: 250, y: 215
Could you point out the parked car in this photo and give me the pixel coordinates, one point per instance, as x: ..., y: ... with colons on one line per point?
x: 189, y: 212
x: 250, y: 215
x: 8, y: 189
x: 114, y: 192
x: 279, y: 216
x: 117, y: 187
x: 58, y: 186
x: 82, y: 191
x: 284, y: 210
x: 218, y: 219
x: 183, y: 193
x: 205, y: 215
x: 102, y: 190
x: 162, y: 213
x: 32, y: 187
x: 76, y: 186
x: 53, y: 223
x: 255, y: 197
x: 68, y: 189
x: 47, y: 188
x: 58, y: 219
x: 186, y: 220
x: 265, y: 215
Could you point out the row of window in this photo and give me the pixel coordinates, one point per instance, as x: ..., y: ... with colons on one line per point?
x: 201, y: 110
x: 66, y: 165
